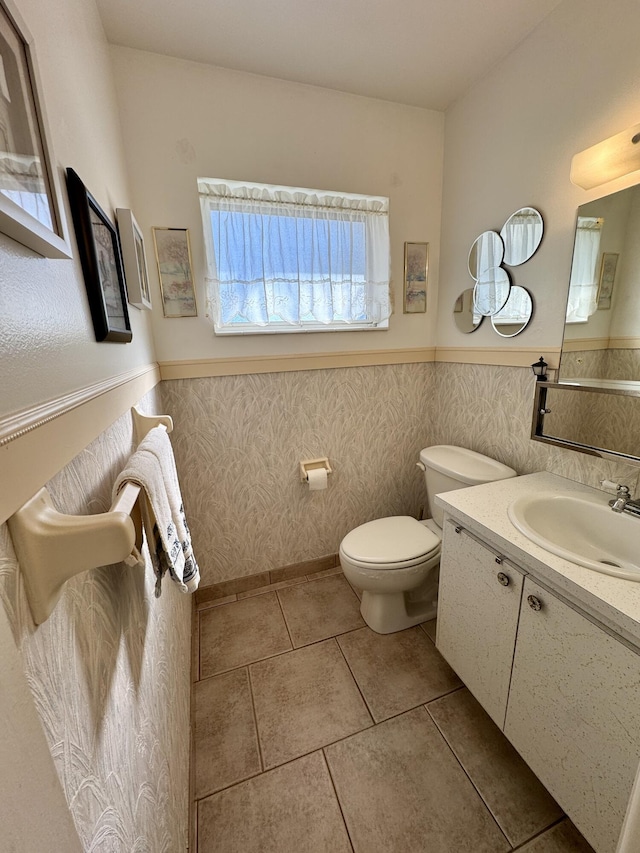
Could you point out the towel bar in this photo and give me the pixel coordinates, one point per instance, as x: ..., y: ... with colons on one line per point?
x: 53, y: 547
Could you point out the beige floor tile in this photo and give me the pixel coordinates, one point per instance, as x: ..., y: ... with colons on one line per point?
x: 430, y: 628
x: 320, y: 609
x: 225, y: 739
x: 292, y: 809
x: 396, y: 672
x: 304, y: 700
x: 562, y: 838
x: 240, y: 633
x: 402, y: 791
x: 520, y: 804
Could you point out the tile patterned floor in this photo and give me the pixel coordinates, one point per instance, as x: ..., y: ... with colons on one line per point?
x: 313, y: 734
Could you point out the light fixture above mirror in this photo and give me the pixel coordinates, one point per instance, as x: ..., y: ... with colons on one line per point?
x: 614, y: 157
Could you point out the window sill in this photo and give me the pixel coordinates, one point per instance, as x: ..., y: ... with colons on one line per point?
x: 266, y: 330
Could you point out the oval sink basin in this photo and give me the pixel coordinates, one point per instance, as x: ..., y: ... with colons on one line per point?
x: 583, y: 529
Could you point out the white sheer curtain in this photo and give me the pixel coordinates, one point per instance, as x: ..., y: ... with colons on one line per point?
x: 583, y: 284
x: 521, y: 233
x: 290, y: 257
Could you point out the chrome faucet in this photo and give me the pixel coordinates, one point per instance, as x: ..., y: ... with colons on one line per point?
x: 622, y: 501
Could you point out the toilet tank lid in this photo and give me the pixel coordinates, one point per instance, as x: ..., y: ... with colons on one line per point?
x: 465, y: 465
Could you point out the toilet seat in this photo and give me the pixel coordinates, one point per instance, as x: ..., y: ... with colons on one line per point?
x: 396, y: 542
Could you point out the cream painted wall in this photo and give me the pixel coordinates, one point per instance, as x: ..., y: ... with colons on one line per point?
x: 182, y: 120
x: 510, y: 141
x: 47, y: 344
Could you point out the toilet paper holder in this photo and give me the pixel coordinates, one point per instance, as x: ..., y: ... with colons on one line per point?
x: 307, y: 465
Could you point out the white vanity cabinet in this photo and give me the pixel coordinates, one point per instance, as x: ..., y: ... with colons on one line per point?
x: 574, y: 712
x: 569, y: 688
x: 478, y: 605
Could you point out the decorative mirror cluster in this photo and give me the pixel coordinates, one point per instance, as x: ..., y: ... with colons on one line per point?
x: 510, y: 307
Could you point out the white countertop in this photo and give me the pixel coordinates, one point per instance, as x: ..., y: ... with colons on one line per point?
x: 483, y: 510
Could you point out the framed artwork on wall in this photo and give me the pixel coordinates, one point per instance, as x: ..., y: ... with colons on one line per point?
x: 173, y: 254
x: 101, y: 264
x: 607, y: 279
x: 133, y: 259
x: 416, y: 268
x: 30, y: 208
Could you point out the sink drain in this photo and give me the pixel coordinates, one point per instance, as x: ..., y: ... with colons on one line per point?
x: 610, y: 563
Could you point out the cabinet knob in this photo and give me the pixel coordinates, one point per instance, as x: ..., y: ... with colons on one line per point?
x: 503, y: 579
x: 458, y: 529
x: 499, y: 560
x: 534, y: 602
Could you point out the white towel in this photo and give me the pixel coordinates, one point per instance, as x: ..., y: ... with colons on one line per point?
x: 153, y: 468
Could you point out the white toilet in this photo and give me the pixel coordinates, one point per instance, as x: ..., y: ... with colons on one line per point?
x: 395, y: 561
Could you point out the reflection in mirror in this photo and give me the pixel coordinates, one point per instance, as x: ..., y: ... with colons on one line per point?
x: 521, y: 235
x: 602, y: 328
x: 597, y: 420
x: 486, y: 252
x: 491, y: 291
x: 515, y: 314
x: 466, y: 319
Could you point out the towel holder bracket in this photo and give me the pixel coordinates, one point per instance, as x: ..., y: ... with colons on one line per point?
x: 53, y: 547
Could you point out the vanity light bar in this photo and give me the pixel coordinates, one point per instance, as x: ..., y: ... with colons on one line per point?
x: 617, y: 156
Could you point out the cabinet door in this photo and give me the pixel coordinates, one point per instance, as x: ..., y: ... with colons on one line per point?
x: 478, y: 605
x: 574, y: 713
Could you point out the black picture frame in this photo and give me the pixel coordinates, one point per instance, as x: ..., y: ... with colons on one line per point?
x: 101, y: 264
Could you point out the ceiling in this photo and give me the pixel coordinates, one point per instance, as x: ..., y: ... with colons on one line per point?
x: 426, y: 53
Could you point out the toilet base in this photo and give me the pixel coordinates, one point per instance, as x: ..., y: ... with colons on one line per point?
x: 391, y: 612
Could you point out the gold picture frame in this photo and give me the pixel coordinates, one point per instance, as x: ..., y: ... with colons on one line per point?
x: 416, y: 271
x: 175, y: 270
x: 607, y: 279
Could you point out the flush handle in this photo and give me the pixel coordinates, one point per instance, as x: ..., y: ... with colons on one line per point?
x: 534, y: 602
x: 503, y: 579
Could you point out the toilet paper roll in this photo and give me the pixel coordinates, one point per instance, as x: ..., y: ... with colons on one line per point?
x: 317, y: 479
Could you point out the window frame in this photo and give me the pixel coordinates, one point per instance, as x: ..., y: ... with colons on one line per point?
x: 218, y: 194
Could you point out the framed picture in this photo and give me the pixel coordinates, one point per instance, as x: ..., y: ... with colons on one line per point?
x: 30, y: 208
x: 607, y: 279
x: 416, y: 267
x: 101, y: 264
x: 133, y: 259
x: 173, y: 254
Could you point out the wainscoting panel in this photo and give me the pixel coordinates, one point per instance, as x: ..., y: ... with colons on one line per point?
x: 239, y: 439
x: 109, y: 674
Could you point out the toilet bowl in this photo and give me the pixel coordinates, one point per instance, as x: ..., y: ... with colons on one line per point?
x: 395, y: 560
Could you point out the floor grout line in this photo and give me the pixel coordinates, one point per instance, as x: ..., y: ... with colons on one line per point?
x: 335, y: 791
x: 542, y: 832
x: 286, y: 624
x: 255, y: 720
x: 462, y: 767
x: 351, y: 672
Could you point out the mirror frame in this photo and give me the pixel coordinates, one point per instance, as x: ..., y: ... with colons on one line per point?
x: 539, y: 411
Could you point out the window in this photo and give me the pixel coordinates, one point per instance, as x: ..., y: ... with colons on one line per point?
x: 583, y: 284
x: 285, y: 259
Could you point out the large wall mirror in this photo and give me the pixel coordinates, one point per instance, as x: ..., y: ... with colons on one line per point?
x: 601, y: 349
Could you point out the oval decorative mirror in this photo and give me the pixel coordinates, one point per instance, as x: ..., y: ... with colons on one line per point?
x: 515, y: 314
x: 521, y: 235
x: 491, y: 291
x: 466, y: 319
x: 486, y: 252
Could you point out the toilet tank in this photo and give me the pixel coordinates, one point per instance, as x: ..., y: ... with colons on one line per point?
x: 448, y: 468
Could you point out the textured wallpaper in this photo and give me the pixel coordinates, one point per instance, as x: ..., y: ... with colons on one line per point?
x: 109, y: 673
x: 490, y: 408
x: 238, y: 440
